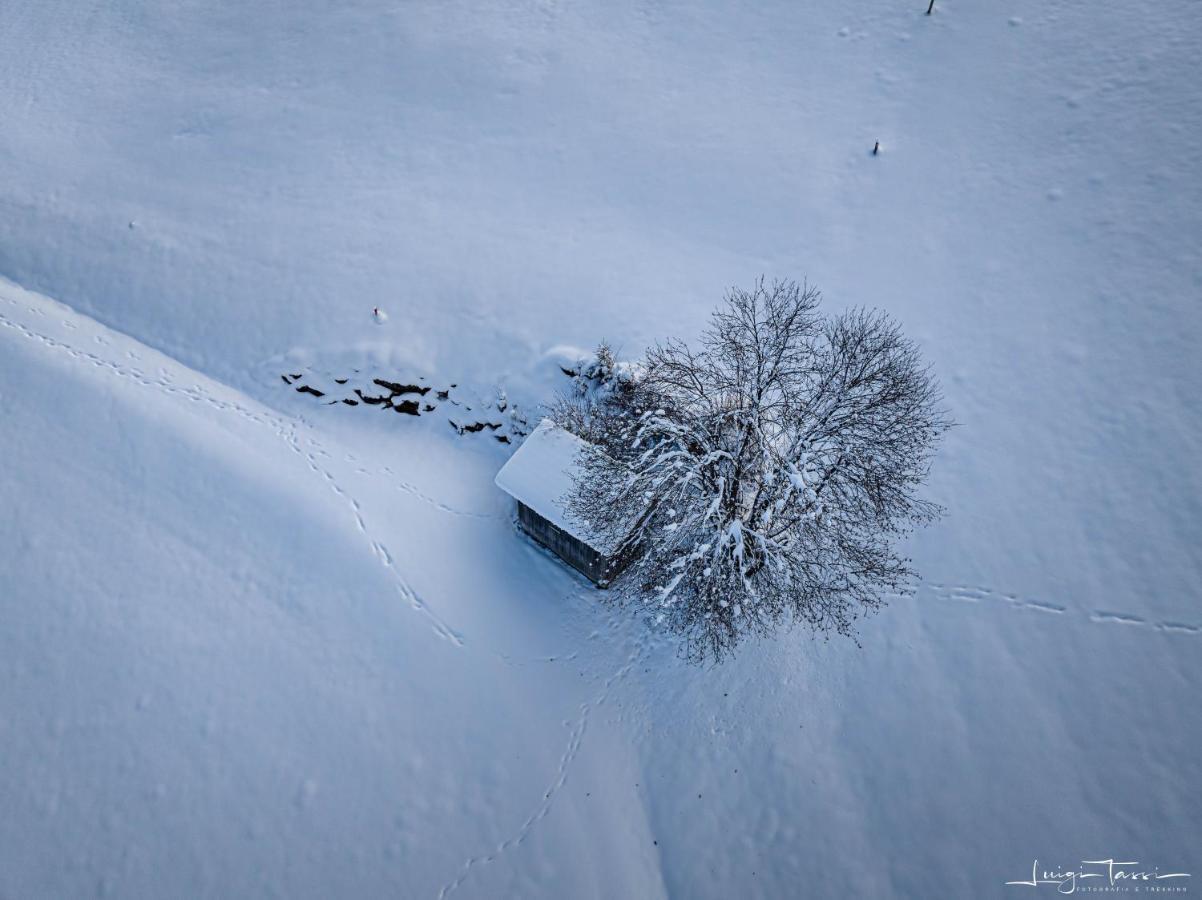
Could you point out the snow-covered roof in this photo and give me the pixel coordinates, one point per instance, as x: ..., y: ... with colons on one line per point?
x: 540, y: 474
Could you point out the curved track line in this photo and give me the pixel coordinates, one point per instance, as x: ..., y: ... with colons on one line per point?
x: 644, y: 640
x: 283, y: 428
x: 964, y: 593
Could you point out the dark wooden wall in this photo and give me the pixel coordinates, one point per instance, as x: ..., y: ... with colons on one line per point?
x: 575, y: 553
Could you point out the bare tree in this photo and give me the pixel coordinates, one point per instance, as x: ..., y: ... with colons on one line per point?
x: 599, y: 402
x: 762, y: 478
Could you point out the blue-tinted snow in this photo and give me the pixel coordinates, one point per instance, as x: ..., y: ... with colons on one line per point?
x: 542, y: 474
x: 251, y: 646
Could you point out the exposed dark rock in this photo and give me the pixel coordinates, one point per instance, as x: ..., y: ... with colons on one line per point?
x: 395, y: 400
x: 401, y: 388
x: 371, y: 401
x: 474, y: 427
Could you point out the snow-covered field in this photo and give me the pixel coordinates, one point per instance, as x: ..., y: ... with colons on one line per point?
x: 252, y: 644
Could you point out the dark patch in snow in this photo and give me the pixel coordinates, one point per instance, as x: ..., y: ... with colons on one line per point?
x: 401, y: 388
x: 474, y: 427
x: 373, y: 401
x: 404, y: 397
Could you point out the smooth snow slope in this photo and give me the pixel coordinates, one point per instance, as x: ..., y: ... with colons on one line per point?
x: 241, y: 658
x: 219, y: 679
x: 251, y: 645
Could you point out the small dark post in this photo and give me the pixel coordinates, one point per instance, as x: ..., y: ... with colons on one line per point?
x: 929, y: 8
x: 876, y: 147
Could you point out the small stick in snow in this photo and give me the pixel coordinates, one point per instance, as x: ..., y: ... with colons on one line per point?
x: 876, y: 148
x: 931, y: 7
x: 379, y: 315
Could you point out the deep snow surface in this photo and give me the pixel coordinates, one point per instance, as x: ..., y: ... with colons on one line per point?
x: 254, y: 645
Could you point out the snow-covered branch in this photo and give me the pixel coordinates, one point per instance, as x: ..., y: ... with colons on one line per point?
x: 757, y: 479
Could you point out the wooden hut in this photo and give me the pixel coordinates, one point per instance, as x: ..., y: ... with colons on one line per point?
x: 539, y: 476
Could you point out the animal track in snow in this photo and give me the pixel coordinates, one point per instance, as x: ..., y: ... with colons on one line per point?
x: 280, y: 426
x: 974, y: 594
x: 643, y: 641
x: 406, y: 591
